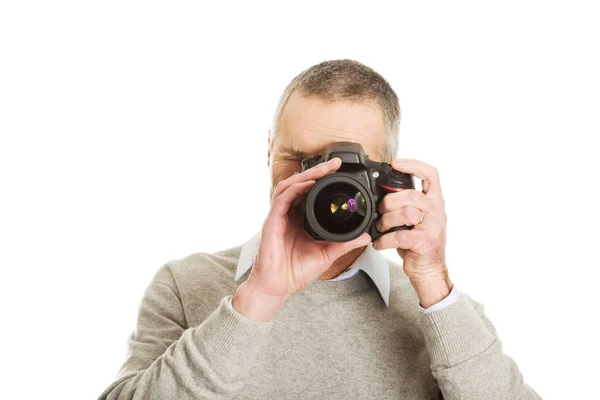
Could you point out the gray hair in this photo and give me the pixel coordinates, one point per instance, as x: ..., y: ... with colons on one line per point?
x: 347, y: 80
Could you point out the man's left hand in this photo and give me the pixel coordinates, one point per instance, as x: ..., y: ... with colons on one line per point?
x: 423, y: 248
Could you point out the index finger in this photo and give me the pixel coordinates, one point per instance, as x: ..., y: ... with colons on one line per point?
x: 314, y: 173
x: 428, y: 174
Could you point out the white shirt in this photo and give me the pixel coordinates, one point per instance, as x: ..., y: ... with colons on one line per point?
x: 370, y: 261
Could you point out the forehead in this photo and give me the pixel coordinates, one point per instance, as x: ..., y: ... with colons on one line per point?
x: 309, y: 123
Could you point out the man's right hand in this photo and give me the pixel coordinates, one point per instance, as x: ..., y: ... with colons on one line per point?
x: 288, y: 259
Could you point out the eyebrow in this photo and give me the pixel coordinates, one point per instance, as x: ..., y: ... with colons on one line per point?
x: 294, y: 152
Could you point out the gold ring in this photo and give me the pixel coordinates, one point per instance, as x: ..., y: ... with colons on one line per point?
x: 421, y: 220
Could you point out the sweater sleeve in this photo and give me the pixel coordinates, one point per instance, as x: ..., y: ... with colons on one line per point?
x: 466, y: 355
x: 168, y: 360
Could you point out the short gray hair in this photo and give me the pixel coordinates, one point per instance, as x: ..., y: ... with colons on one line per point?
x: 347, y: 80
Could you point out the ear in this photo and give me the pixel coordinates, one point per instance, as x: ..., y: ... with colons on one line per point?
x: 269, y: 150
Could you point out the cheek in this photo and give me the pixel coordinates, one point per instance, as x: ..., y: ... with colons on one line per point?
x: 282, y: 170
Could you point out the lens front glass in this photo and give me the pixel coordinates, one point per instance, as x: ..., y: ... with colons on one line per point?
x: 340, y: 207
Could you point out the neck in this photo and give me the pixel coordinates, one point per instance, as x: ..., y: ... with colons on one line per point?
x: 341, y: 264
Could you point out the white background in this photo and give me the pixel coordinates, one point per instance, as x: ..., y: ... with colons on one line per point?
x: 133, y: 133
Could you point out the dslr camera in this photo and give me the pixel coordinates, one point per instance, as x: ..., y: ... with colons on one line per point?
x: 342, y: 206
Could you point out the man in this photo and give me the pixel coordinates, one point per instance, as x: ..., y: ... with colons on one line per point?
x: 288, y: 317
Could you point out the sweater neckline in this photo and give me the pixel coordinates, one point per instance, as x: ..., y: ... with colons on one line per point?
x: 358, y: 283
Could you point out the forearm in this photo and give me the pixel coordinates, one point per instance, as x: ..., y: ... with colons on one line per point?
x: 209, y: 361
x: 254, y: 304
x: 467, y: 358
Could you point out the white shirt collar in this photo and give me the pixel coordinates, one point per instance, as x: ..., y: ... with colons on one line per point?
x: 370, y: 261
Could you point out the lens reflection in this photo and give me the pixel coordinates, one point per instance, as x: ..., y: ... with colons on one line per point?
x: 340, y: 207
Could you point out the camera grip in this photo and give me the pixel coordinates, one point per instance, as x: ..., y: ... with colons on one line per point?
x: 376, y: 234
x: 400, y: 228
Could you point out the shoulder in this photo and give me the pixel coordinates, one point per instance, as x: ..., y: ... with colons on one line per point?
x: 200, y: 280
x: 201, y: 267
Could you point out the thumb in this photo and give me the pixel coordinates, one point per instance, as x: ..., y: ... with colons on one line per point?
x: 335, y: 250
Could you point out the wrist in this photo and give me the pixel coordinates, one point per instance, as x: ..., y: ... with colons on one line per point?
x: 254, y: 304
x: 432, y: 290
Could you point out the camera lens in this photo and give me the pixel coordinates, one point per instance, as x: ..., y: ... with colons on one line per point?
x: 340, y: 207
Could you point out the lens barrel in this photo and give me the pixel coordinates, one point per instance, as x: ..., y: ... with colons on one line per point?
x: 339, y: 208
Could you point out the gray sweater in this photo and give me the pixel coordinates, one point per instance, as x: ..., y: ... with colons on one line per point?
x: 334, y: 340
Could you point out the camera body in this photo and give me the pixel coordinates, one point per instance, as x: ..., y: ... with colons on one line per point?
x: 342, y: 206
